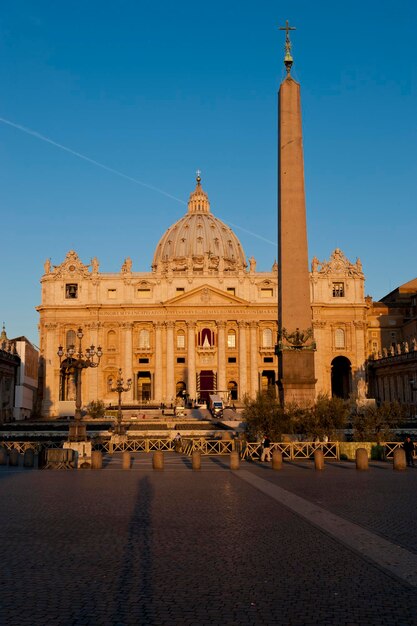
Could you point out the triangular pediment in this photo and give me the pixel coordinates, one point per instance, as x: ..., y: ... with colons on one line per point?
x: 203, y: 296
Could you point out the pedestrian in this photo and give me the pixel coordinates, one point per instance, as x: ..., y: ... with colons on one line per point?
x: 177, y: 443
x: 408, y: 447
x: 266, y: 449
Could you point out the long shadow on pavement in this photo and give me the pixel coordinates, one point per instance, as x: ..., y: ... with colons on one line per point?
x: 134, y: 590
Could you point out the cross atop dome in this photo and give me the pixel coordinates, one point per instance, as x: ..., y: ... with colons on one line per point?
x: 198, y: 202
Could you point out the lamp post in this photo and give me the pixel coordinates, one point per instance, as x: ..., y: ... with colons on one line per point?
x: 120, y: 388
x: 77, y: 361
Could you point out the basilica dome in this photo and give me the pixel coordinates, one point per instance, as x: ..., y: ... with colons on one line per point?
x: 199, y: 241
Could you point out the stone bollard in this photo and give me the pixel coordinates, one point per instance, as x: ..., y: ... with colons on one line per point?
x: 126, y: 460
x: 96, y: 459
x: 361, y: 459
x: 318, y: 460
x: 196, y: 460
x: 29, y: 458
x: 398, y: 460
x: 3, y: 456
x: 277, y: 460
x: 158, y: 460
x: 14, y: 457
x: 234, y: 460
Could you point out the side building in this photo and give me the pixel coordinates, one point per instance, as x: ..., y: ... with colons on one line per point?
x: 18, y: 378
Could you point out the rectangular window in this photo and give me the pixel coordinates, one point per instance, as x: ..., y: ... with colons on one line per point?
x: 180, y: 289
x: 180, y: 341
x: 71, y: 290
x: 181, y: 359
x: 143, y: 293
x: 111, y: 294
x: 143, y: 360
x: 268, y: 359
x: 267, y: 293
x: 231, y: 290
x: 338, y: 290
x: 231, y: 359
x: 231, y: 340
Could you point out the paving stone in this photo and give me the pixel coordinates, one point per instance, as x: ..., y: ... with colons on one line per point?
x: 187, y: 548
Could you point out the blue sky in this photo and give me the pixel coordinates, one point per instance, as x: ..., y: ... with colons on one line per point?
x: 156, y: 90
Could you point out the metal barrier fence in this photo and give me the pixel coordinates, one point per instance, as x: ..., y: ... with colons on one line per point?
x: 36, y: 446
x: 210, y: 446
x: 295, y: 450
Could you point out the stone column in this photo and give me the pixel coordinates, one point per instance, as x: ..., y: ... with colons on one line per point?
x: 170, y: 365
x: 243, y: 366
x: 221, y: 356
x: 128, y: 356
x: 296, y: 378
x: 51, y: 370
x: 158, y: 373
x: 254, y: 376
x: 91, y: 377
x: 191, y: 382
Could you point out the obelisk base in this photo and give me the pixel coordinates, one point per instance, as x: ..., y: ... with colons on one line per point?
x: 296, y: 380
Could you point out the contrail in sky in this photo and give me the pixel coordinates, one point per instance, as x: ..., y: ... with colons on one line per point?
x: 34, y: 133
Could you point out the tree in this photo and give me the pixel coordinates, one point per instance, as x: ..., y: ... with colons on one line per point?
x: 376, y: 423
x: 264, y: 415
x: 325, y: 417
x: 96, y: 409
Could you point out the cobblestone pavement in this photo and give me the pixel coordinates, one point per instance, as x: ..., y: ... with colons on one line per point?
x: 181, y: 547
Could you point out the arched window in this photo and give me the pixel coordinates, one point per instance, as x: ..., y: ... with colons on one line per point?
x: 231, y: 339
x: 267, y: 338
x: 70, y: 338
x: 111, y: 340
x: 144, y: 339
x: 206, y: 338
x: 339, y: 338
x: 180, y: 340
x: 110, y: 380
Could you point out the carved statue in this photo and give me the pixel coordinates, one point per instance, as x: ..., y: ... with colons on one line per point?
x: 95, y: 265
x: 314, y: 264
x: 361, y: 387
x: 275, y: 267
x: 47, y: 266
x: 252, y: 264
x: 127, y: 266
x: 298, y: 338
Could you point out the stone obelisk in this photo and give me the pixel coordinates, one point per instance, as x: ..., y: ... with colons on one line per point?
x: 296, y: 379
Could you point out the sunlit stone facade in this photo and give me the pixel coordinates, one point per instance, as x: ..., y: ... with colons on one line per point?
x: 202, y: 319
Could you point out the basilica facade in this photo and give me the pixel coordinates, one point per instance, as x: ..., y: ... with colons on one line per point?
x: 202, y: 320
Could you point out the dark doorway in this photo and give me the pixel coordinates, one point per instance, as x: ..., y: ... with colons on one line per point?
x: 144, y: 386
x: 267, y: 379
x: 206, y: 380
x: 341, y: 377
x: 232, y: 389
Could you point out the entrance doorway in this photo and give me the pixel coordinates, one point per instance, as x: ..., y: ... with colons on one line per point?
x: 206, y: 384
x: 267, y: 379
x: 341, y: 377
x: 232, y: 389
x: 144, y: 387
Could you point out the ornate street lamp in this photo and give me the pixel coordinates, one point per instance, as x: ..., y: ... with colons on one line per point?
x: 120, y: 388
x: 77, y: 361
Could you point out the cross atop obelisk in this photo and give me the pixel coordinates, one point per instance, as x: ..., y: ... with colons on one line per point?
x: 288, y: 60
